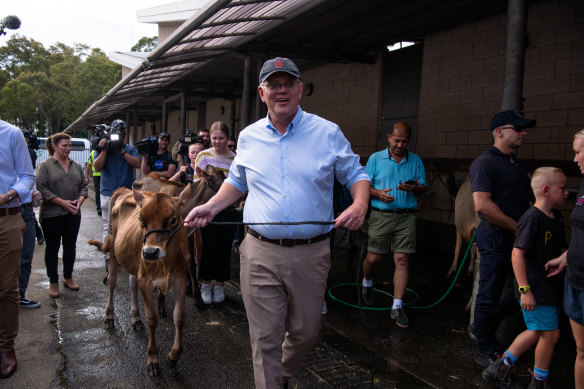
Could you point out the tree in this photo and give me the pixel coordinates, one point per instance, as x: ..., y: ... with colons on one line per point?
x: 46, y: 90
x: 145, y: 44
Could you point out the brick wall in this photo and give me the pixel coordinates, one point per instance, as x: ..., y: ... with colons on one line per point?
x: 461, y: 88
x: 349, y: 95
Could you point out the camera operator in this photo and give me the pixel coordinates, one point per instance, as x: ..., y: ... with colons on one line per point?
x: 206, y: 136
x: 116, y: 164
x: 33, y: 143
x: 160, y: 163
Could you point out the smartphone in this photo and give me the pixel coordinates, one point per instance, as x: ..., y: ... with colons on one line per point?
x: 410, y: 182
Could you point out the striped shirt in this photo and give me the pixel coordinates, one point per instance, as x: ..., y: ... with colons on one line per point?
x: 208, y: 157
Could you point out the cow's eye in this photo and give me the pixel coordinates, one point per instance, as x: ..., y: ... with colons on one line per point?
x: 141, y: 222
x: 172, y: 221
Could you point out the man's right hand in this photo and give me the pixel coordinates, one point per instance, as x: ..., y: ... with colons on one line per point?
x: 199, y: 216
x: 382, y: 194
x: 102, y: 143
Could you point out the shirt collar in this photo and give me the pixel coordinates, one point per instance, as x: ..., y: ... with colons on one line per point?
x: 388, y: 156
x: 291, y: 127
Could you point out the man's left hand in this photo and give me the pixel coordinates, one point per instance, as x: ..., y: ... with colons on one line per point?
x: 408, y: 187
x: 352, y: 218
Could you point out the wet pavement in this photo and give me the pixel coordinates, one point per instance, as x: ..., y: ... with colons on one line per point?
x: 63, y: 344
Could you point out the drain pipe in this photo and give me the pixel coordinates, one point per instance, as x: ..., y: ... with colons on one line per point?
x: 515, y: 55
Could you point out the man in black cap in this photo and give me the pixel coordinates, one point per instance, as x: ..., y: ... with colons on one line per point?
x: 284, y: 268
x: 501, y: 193
x: 160, y: 163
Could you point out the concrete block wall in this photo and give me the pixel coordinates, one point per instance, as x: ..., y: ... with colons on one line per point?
x: 349, y: 95
x: 462, y: 85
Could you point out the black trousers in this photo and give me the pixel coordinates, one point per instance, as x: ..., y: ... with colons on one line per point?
x: 217, y: 240
x: 96, y: 184
x: 56, y: 229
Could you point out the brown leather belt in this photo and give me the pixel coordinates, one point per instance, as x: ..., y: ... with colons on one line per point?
x: 288, y: 242
x: 9, y: 211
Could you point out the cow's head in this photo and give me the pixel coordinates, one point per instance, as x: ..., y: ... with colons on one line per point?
x: 212, y: 176
x: 160, y: 220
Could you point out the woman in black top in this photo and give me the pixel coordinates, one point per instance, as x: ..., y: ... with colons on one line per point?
x: 573, y: 261
x: 186, y: 172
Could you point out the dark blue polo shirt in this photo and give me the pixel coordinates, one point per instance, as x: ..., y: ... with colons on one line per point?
x: 575, y: 272
x: 506, y: 181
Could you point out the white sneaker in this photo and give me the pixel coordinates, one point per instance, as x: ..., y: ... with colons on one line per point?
x: 218, y: 295
x: 324, y: 308
x: 206, y: 293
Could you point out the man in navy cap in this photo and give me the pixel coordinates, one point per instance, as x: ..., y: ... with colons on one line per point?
x: 501, y: 192
x: 287, y: 161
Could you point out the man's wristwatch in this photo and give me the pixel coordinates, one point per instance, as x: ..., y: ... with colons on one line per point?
x: 9, y: 197
x: 524, y: 289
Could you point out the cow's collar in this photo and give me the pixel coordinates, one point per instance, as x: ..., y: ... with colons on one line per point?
x: 165, y: 230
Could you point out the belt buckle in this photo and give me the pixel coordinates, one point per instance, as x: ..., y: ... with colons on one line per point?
x: 286, y: 242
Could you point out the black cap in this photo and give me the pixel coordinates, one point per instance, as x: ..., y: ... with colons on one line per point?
x: 511, y: 117
x: 164, y: 135
x: 278, y: 64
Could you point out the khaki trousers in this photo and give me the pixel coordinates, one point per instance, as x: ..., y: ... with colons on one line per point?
x: 11, y: 230
x: 283, y: 291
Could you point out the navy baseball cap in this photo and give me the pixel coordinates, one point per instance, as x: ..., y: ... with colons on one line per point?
x: 278, y: 64
x: 511, y: 117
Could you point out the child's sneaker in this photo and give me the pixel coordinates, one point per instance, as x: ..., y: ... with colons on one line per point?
x: 538, y: 384
x: 206, y: 294
x: 499, y: 374
x: 218, y: 295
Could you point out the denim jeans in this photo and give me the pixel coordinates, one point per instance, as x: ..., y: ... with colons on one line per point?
x: 28, y: 242
x: 495, y: 246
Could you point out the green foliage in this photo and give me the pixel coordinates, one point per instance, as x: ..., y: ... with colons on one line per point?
x: 146, y: 44
x: 45, y: 90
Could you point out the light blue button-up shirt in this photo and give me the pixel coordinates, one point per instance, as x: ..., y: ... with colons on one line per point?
x: 290, y: 177
x: 386, y: 173
x: 16, y: 170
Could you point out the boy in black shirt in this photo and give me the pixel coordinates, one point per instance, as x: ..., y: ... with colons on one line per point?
x: 540, y: 237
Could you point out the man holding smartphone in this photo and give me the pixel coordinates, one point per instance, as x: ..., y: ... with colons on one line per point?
x: 397, y: 179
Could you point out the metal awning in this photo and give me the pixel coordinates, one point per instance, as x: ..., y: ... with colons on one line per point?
x: 204, y: 58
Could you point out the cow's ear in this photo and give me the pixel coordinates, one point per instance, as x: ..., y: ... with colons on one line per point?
x: 139, y: 197
x: 211, y: 170
x: 186, y: 192
x: 202, y: 174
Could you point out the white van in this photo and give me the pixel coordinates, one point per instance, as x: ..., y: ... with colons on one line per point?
x: 80, y: 149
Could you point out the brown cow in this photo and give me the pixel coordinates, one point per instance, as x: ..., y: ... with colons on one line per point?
x: 149, y: 241
x: 466, y: 221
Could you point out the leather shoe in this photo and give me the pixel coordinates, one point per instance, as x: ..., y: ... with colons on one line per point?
x: 7, y: 363
x: 70, y: 284
x: 54, y: 290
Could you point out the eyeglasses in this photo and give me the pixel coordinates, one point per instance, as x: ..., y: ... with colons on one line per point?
x: 231, y: 146
x: 514, y: 128
x: 273, y: 86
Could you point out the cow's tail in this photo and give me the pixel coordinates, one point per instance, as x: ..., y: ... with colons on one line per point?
x: 101, y: 246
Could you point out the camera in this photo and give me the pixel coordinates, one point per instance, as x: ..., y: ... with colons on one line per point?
x: 147, y: 146
x: 33, y: 140
x: 185, y: 141
x: 114, y: 134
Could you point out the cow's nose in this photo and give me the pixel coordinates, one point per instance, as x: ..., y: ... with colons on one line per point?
x: 151, y: 253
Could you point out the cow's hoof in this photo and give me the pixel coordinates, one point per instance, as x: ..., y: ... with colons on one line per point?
x: 138, y: 326
x: 108, y: 323
x: 171, y: 362
x: 153, y: 369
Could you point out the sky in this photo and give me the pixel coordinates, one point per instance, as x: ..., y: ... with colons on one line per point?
x: 110, y: 25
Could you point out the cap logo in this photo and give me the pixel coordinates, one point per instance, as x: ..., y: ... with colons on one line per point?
x: 278, y: 64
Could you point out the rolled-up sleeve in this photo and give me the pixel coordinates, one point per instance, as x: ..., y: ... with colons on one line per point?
x: 348, y: 168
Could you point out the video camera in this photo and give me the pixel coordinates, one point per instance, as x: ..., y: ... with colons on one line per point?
x: 33, y: 140
x: 147, y: 146
x: 114, y: 134
x: 185, y: 141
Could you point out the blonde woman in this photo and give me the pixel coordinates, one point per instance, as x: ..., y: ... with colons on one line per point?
x: 215, y: 263
x: 62, y: 184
